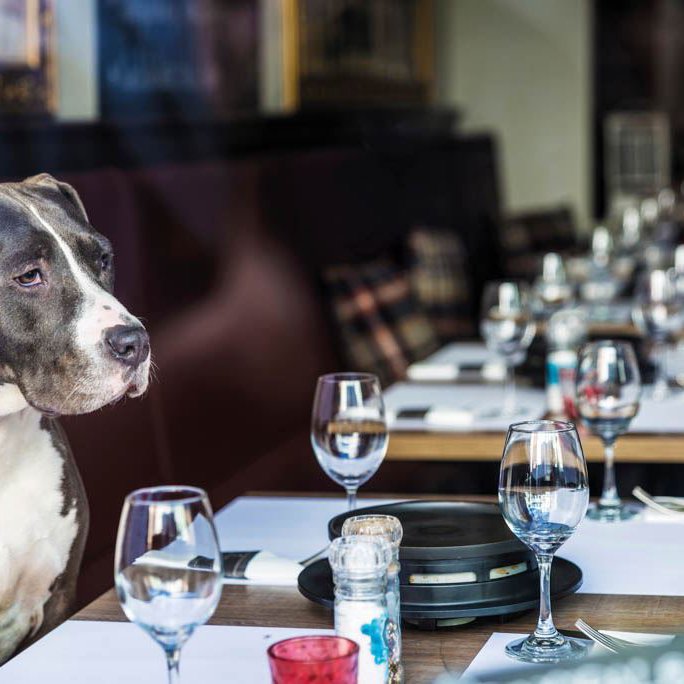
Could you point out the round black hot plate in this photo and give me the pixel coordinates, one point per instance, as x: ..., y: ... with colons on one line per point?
x: 444, y: 530
x: 476, y: 599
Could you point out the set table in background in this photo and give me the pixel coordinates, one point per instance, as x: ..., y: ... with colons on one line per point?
x: 656, y: 434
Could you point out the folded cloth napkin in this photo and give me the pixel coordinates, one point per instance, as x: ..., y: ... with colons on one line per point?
x: 494, y: 371
x: 260, y: 567
x: 422, y: 372
x: 449, y: 417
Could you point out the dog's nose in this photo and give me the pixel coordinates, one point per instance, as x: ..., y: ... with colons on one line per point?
x: 128, y: 344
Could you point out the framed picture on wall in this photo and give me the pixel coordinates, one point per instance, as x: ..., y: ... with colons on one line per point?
x: 28, y: 84
x: 357, y: 52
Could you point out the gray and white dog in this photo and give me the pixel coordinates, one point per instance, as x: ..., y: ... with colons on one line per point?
x: 67, y: 346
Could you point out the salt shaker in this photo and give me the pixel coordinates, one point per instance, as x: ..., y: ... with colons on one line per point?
x: 388, y: 528
x: 359, y: 564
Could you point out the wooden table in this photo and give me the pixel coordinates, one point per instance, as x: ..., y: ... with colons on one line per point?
x: 427, y: 654
x: 487, y: 446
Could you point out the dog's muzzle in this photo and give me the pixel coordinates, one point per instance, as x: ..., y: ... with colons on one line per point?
x: 130, y: 345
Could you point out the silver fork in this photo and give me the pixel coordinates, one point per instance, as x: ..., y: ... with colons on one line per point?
x: 613, y: 644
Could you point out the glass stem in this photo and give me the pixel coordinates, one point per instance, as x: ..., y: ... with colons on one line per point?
x: 545, y: 627
x: 509, y: 390
x: 660, y: 387
x: 351, y: 499
x: 173, y: 664
x: 609, y: 495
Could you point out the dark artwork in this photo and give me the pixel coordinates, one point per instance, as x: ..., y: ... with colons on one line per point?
x: 178, y: 59
x: 355, y: 51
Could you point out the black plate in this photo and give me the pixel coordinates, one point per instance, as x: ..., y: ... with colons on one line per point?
x: 444, y: 530
x: 514, y: 594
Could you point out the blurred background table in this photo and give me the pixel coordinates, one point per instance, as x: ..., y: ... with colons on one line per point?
x: 487, y: 446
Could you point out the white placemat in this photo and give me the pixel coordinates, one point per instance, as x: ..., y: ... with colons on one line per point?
x: 115, y: 652
x: 480, y: 401
x: 641, y: 557
x: 492, y: 659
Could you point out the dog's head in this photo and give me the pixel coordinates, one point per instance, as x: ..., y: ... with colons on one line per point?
x: 66, y: 344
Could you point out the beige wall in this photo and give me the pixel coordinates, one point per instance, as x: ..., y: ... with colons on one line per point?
x: 77, y: 60
x: 521, y: 68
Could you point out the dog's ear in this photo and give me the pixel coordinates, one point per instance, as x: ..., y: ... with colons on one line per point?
x: 46, y: 180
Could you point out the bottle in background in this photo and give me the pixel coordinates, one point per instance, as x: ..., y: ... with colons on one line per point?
x: 566, y: 331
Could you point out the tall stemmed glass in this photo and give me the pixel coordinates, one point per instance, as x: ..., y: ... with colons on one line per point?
x: 348, y: 429
x: 608, y: 393
x: 508, y: 327
x: 543, y: 495
x: 168, y: 567
x: 659, y: 312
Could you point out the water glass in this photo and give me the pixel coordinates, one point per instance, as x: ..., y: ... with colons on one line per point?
x: 348, y: 429
x: 659, y: 313
x: 508, y: 328
x: 608, y: 393
x: 543, y: 495
x: 168, y: 568
x: 314, y: 660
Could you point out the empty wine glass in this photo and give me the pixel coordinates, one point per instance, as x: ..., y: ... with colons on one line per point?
x: 168, y: 567
x: 543, y: 495
x: 608, y: 392
x: 348, y: 429
x: 508, y: 327
x: 659, y: 312
x: 552, y: 291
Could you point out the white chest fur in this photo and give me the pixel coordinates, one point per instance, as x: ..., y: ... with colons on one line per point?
x: 35, y: 538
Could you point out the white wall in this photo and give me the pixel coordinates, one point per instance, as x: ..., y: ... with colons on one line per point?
x: 76, y: 28
x: 521, y: 68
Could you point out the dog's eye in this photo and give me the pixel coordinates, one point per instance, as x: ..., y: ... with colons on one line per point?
x: 30, y: 278
x: 105, y: 261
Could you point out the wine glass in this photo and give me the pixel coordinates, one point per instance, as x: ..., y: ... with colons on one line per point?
x: 168, y: 568
x: 552, y: 290
x: 659, y: 312
x: 348, y: 429
x: 543, y: 495
x: 608, y: 392
x: 508, y: 327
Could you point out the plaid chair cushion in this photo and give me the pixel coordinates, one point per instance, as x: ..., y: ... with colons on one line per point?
x: 440, y: 281
x: 525, y: 239
x: 381, y: 327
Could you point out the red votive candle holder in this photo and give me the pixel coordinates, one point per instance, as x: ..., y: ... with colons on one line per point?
x: 311, y: 659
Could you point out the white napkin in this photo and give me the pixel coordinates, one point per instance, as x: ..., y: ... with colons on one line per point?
x: 494, y: 371
x: 449, y: 417
x: 427, y: 372
x: 263, y: 567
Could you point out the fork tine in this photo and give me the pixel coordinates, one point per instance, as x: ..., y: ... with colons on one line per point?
x: 598, y: 637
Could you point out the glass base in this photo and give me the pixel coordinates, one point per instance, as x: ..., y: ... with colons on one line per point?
x: 554, y: 649
x: 612, y: 514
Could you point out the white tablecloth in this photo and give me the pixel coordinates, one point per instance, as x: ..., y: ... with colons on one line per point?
x: 654, y: 416
x: 481, y: 401
x: 635, y: 557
